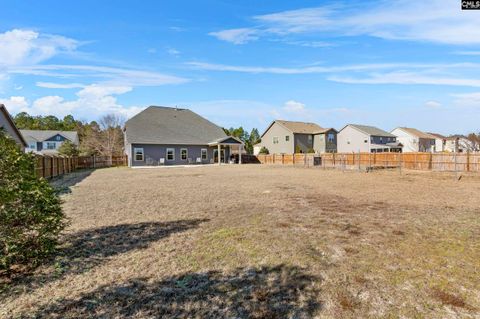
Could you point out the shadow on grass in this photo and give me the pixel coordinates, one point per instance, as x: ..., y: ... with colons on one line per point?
x: 84, y: 250
x: 63, y: 184
x: 267, y: 292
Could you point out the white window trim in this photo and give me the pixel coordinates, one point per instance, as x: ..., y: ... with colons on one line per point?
x: 206, y: 154
x: 135, y: 154
x: 186, y: 154
x: 54, y: 145
x: 273, y: 140
x: 173, y: 153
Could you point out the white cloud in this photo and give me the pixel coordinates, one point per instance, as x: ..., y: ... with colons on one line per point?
x: 92, y: 102
x: 402, y: 77
x: 50, y: 85
x: 439, y: 21
x: 173, y: 51
x: 236, y: 36
x: 297, y: 70
x: 433, y: 104
x: 292, y: 106
x: 29, y: 47
x: 109, y: 75
x: 467, y: 100
x: 15, y: 104
x: 472, y: 53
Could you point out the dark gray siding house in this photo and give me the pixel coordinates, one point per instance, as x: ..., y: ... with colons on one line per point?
x: 290, y: 137
x: 173, y: 136
x: 7, y: 124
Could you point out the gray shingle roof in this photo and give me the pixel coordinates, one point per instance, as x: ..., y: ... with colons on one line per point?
x: 42, y: 135
x: 167, y: 125
x: 372, y: 130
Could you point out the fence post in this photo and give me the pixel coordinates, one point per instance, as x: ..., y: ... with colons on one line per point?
x: 430, y: 162
x: 468, y: 160
x: 94, y: 160
x: 400, y: 163
x: 359, y: 164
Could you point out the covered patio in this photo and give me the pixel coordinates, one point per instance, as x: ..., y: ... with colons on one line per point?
x: 230, y: 143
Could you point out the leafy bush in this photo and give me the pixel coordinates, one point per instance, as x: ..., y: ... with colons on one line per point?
x: 31, y: 217
x: 298, y: 149
x: 310, y: 150
x: 264, y: 150
x: 68, y: 148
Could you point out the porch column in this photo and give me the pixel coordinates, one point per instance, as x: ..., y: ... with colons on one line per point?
x: 219, y: 155
x: 240, y: 154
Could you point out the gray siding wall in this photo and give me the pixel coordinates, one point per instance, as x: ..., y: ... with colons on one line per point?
x: 9, y: 129
x: 283, y: 146
x: 153, y: 153
x: 303, y: 141
x: 350, y: 139
x: 322, y: 145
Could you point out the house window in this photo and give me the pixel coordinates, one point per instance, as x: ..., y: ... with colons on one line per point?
x: 183, y: 154
x: 204, y: 154
x: 366, y: 141
x: 275, y: 140
x: 32, y: 145
x: 331, y: 137
x: 381, y: 139
x: 170, y: 154
x: 58, y: 138
x: 287, y: 138
x: 309, y: 138
x: 138, y: 154
x: 51, y: 145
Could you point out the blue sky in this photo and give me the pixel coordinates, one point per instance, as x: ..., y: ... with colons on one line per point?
x: 383, y: 63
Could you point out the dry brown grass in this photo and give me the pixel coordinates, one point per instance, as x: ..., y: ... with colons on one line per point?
x: 256, y: 241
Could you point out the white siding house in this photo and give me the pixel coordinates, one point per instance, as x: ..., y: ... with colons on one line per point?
x: 363, y: 138
x: 414, y: 140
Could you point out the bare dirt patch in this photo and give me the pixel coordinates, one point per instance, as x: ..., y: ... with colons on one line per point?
x: 255, y: 241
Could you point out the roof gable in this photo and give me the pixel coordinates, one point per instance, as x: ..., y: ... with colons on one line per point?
x: 417, y: 133
x: 7, y: 116
x: 43, y: 135
x: 298, y: 127
x: 370, y: 130
x: 167, y: 125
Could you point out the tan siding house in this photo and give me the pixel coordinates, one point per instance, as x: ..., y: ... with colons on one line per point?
x: 287, y: 137
x: 6, y: 123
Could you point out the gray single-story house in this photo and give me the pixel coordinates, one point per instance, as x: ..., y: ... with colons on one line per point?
x: 173, y: 136
x: 287, y: 137
x: 48, y: 141
x: 365, y: 138
x: 7, y: 124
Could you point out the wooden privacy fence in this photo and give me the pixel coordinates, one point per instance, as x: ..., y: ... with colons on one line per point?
x: 466, y: 162
x: 49, y: 166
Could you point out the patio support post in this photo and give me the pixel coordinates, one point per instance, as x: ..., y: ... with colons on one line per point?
x: 219, y: 155
x: 240, y: 147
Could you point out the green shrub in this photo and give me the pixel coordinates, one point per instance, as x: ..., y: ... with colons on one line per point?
x: 68, y: 148
x: 264, y: 150
x: 310, y: 150
x: 31, y: 217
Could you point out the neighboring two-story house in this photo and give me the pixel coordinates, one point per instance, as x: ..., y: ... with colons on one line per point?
x: 47, y: 142
x: 414, y: 140
x: 7, y: 124
x: 459, y: 144
x: 363, y: 138
x: 287, y: 137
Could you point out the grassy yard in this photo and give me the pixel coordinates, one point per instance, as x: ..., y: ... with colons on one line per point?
x: 256, y: 241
